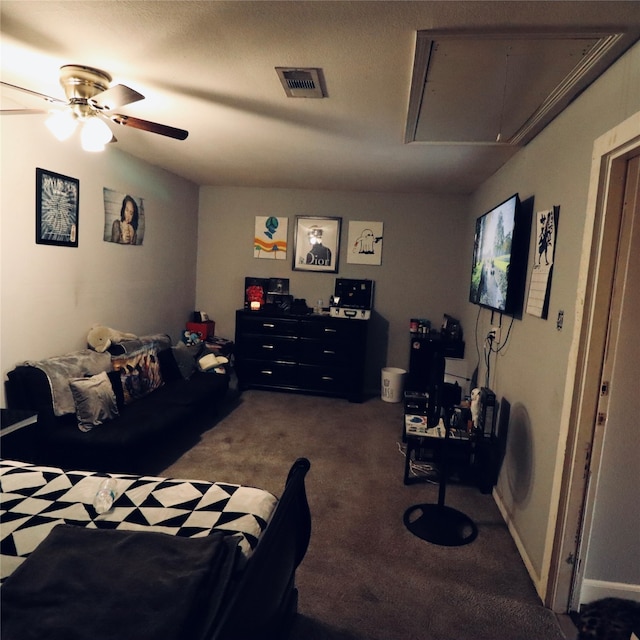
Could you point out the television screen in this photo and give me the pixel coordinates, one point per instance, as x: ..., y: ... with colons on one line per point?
x: 493, y: 255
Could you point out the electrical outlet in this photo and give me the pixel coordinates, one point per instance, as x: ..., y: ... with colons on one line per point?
x: 495, y: 332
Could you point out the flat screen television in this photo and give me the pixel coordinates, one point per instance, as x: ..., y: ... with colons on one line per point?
x: 498, y: 257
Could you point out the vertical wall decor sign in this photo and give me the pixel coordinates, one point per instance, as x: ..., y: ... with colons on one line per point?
x: 365, y: 243
x: 316, y: 244
x: 540, y: 283
x: 124, y: 221
x: 270, y: 239
x: 57, y: 202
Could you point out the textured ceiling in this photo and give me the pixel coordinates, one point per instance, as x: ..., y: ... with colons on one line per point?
x: 209, y: 67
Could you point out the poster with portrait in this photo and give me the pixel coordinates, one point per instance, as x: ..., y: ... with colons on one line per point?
x: 316, y: 244
x: 365, y: 243
x: 124, y: 221
x: 270, y: 238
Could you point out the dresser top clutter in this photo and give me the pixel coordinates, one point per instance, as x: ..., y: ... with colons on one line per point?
x: 350, y: 299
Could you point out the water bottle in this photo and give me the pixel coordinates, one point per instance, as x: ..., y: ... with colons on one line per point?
x: 105, y: 496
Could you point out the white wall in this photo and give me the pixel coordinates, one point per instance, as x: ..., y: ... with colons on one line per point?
x: 52, y: 295
x: 531, y: 373
x: 426, y: 258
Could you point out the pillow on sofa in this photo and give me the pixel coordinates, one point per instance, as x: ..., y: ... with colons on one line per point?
x: 187, y: 357
x: 95, y: 400
x: 139, y: 372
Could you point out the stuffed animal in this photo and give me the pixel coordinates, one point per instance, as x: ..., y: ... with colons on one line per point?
x: 101, y: 338
x: 475, y: 407
x: 191, y: 338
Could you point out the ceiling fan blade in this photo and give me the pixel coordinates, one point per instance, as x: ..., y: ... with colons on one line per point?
x: 33, y: 93
x: 145, y: 125
x: 114, y: 97
x: 22, y: 112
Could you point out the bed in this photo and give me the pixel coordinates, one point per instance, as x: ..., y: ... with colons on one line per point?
x: 175, y: 558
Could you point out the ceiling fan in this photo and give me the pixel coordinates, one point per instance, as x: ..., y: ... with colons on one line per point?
x: 90, y: 101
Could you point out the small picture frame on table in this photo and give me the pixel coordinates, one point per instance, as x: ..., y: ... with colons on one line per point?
x: 316, y: 244
x: 57, y: 209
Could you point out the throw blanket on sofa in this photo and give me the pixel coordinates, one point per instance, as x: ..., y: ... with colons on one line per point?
x: 158, y: 340
x: 107, y: 585
x: 34, y: 499
x: 138, y: 364
x: 59, y: 369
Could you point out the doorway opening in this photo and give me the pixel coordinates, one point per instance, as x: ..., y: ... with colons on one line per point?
x: 603, y: 245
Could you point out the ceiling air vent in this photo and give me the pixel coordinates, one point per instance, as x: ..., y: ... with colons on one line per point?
x: 302, y: 83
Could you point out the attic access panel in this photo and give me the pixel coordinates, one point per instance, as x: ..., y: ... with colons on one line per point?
x: 501, y: 88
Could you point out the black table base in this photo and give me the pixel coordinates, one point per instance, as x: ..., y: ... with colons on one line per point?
x: 440, y: 524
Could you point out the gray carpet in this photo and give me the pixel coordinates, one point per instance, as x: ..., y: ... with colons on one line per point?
x: 365, y: 576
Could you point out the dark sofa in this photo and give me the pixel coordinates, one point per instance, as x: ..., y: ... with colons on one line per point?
x: 158, y: 397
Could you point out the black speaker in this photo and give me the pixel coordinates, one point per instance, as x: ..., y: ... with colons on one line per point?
x: 426, y: 363
x: 486, y: 414
x: 426, y: 373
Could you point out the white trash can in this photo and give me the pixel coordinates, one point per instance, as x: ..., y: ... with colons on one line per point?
x: 392, y: 384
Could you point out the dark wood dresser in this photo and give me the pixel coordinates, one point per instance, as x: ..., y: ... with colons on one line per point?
x: 312, y: 354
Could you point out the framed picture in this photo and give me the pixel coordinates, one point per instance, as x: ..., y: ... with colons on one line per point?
x: 57, y: 199
x: 124, y: 218
x: 365, y: 243
x: 316, y: 245
x: 270, y: 238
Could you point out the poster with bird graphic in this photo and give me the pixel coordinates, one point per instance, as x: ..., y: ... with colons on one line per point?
x: 270, y: 238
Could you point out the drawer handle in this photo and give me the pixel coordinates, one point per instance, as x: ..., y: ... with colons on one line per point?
x: 268, y: 346
x: 266, y: 372
x: 329, y: 330
x: 327, y: 378
x: 328, y: 352
x: 268, y: 325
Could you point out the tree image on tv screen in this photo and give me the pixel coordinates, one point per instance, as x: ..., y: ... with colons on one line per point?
x: 492, y: 256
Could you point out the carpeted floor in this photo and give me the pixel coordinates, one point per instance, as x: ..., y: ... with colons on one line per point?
x: 365, y: 576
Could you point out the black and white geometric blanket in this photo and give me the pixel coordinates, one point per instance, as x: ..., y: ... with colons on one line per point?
x: 34, y: 499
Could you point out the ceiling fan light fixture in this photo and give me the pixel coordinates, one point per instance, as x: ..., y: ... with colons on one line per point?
x: 95, y: 134
x: 62, y: 124
x: 89, y: 96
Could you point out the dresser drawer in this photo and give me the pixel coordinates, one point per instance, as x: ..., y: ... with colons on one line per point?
x: 334, y: 380
x: 272, y: 348
x: 331, y: 329
x: 269, y: 374
x: 326, y: 352
x: 260, y: 325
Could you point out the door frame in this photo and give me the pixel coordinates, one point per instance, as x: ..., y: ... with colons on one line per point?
x: 599, y: 251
